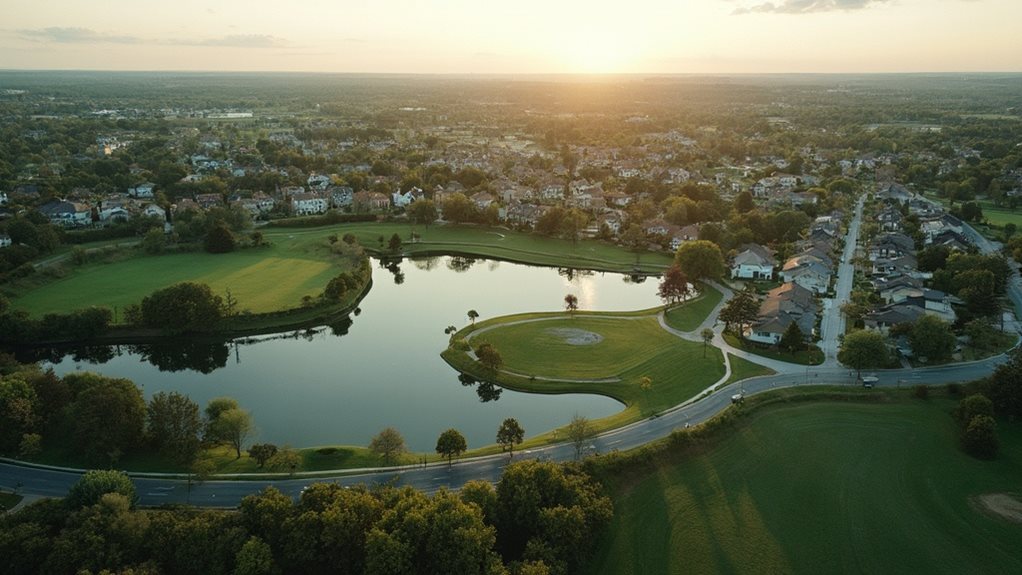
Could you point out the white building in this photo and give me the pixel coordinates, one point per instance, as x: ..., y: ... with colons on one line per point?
x: 303, y: 204
x: 753, y: 263
x: 142, y: 190
x: 5, y: 241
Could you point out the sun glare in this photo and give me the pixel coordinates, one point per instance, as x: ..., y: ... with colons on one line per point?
x: 590, y: 51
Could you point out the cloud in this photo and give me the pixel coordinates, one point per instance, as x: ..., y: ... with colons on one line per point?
x: 77, y: 36
x: 87, y: 36
x: 807, y: 6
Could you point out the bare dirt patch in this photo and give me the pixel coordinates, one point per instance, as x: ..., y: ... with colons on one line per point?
x: 572, y: 336
x: 1003, y: 505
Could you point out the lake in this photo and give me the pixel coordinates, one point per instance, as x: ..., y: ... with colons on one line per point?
x: 342, y: 384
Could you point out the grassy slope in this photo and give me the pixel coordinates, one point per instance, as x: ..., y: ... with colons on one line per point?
x: 744, y: 369
x: 822, y: 488
x: 811, y: 357
x: 8, y: 500
x: 262, y: 279
x: 495, y: 242
x: 676, y: 367
x: 688, y: 316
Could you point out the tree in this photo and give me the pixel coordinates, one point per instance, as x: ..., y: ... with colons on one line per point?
x: 181, y: 308
x: 571, y: 303
x: 980, y: 437
x: 635, y: 238
x: 285, y: 459
x: 510, y: 434
x: 972, y: 406
x: 792, y: 339
x: 174, y: 425
x: 707, y: 335
x: 262, y: 452
x: 31, y: 445
x: 700, y: 259
x: 674, y: 287
x: 154, y: 241
x: 220, y: 240
x: 458, y: 209
x: 93, y: 485
x: 108, y: 416
x: 489, y: 357
x: 232, y: 427
x: 395, y: 243
x: 218, y: 405
x: 472, y: 315
x: 579, y: 430
x: 422, y: 212
x: 1005, y: 387
x: 388, y: 444
x: 743, y: 202
x: 573, y: 223
x: 258, y: 240
x: 740, y: 310
x: 254, y: 558
x: 863, y: 349
x: 646, y: 383
x: 450, y: 444
x: 932, y: 338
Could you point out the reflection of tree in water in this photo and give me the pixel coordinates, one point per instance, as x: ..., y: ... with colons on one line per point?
x: 634, y: 279
x: 460, y: 264
x: 571, y: 273
x: 341, y: 326
x: 485, y: 390
x: 94, y: 354
x: 493, y: 265
x: 427, y: 263
x: 200, y: 356
x: 393, y: 265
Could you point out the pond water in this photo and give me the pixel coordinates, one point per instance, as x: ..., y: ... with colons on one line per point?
x: 380, y: 367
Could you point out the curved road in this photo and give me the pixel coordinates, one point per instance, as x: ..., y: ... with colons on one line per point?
x: 153, y: 489
x: 44, y: 482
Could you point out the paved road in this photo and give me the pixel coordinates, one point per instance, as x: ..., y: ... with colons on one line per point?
x: 157, y: 491
x: 833, y: 322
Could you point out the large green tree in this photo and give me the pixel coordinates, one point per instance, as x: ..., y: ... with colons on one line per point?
x: 932, y: 338
x: 510, y: 434
x: 174, y: 425
x: 388, y: 444
x: 450, y: 444
x: 232, y: 427
x: 700, y: 259
x: 93, y: 485
x: 863, y: 349
x: 108, y: 417
x: 181, y: 308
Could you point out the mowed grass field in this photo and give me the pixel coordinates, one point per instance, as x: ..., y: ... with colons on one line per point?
x: 688, y: 316
x: 822, y: 488
x: 544, y: 347
x: 261, y: 279
x: 499, y: 243
x: 537, y: 359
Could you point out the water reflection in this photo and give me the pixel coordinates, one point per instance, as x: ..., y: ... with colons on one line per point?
x: 484, y: 389
x: 460, y: 264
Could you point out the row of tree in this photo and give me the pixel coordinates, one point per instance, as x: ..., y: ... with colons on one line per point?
x: 539, y: 519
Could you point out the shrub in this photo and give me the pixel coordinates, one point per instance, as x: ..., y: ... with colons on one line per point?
x: 220, y: 240
x: 980, y: 437
x: 921, y: 392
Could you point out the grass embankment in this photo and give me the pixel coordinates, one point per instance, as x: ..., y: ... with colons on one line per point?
x: 8, y: 501
x: 812, y: 356
x: 822, y: 487
x: 263, y: 280
x: 540, y: 357
x: 690, y: 314
x: 744, y: 369
x: 497, y: 243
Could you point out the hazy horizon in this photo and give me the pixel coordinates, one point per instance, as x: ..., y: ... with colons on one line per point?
x: 457, y: 37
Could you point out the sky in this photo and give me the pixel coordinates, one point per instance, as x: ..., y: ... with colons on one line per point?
x: 516, y: 37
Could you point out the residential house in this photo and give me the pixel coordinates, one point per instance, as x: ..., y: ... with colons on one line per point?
x: 890, y: 220
x: 684, y: 234
x: 67, y: 214
x: 142, y: 191
x: 5, y: 241
x: 341, y: 196
x: 318, y: 182
x: 370, y: 201
x: 207, y: 201
x: 154, y: 211
x: 885, y: 318
x: 404, y: 199
x: 307, y: 203
x: 891, y: 245
x: 185, y: 205
x: 753, y: 262
x: 3, y: 198
x: 812, y: 275
x: 783, y: 305
x: 482, y: 200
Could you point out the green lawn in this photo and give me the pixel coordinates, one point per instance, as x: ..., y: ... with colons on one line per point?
x: 543, y: 348
x: 821, y: 488
x: 744, y: 369
x: 811, y: 357
x: 688, y: 316
x: 261, y: 279
x: 633, y: 347
x: 497, y: 243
